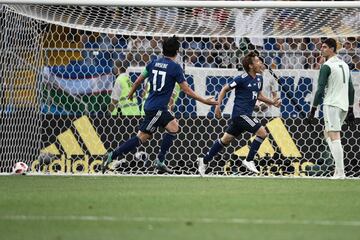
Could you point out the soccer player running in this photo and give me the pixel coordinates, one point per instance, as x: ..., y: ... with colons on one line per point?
x: 335, y: 86
x: 248, y: 89
x: 162, y: 73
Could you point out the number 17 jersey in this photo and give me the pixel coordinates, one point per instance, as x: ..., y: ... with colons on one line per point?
x: 162, y: 75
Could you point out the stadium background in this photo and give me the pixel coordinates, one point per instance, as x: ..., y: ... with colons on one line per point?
x: 56, y: 70
x: 78, y: 69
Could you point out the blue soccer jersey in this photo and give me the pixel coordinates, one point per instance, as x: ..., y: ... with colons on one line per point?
x: 246, y: 92
x: 162, y: 75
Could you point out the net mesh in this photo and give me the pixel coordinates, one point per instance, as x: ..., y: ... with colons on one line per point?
x: 59, y: 65
x: 20, y: 63
x: 200, y: 21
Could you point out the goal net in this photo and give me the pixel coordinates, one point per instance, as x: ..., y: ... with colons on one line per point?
x: 59, y: 64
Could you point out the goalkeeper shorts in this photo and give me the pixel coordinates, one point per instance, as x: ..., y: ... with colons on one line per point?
x: 334, y: 118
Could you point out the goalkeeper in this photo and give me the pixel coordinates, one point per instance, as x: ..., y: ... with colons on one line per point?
x: 335, y: 86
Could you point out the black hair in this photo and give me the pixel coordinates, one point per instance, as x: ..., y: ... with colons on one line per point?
x: 247, y: 60
x: 171, y: 46
x: 331, y: 43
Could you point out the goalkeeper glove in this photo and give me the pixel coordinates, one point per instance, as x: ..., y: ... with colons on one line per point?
x: 311, y: 115
x: 350, y: 118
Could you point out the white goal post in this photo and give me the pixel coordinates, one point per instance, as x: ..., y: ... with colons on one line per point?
x: 59, y: 61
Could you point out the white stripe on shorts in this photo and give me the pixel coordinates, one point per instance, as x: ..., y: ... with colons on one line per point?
x: 153, y: 121
x: 248, y: 120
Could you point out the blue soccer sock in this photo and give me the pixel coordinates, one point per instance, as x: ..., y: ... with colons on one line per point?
x: 255, y: 145
x: 214, y: 150
x: 166, y: 143
x: 126, y: 147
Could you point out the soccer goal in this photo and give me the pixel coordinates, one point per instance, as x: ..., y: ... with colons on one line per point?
x: 60, y: 59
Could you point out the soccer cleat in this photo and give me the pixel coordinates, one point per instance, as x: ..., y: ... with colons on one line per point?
x: 201, y: 166
x: 162, y: 167
x: 250, y: 166
x: 106, y: 161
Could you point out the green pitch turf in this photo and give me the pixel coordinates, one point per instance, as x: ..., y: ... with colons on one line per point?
x: 35, y: 207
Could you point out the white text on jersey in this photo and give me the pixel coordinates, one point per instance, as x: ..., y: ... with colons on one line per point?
x: 161, y: 65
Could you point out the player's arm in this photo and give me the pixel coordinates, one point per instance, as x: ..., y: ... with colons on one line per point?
x: 274, y: 94
x: 137, y: 83
x: 273, y: 91
x: 112, y: 105
x: 188, y: 91
x: 322, y: 82
x: 350, y: 118
x: 351, y: 93
x: 221, y: 96
x: 275, y: 101
x: 172, y: 100
x: 115, y: 95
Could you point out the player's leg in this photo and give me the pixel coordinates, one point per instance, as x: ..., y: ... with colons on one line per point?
x: 327, y: 138
x: 254, y: 126
x: 234, y: 129
x: 125, y: 148
x: 329, y: 142
x: 131, y: 144
x: 334, y: 118
x: 337, y: 153
x: 172, y: 127
x: 217, y: 146
x: 168, y: 138
x: 261, y: 134
x: 146, y: 130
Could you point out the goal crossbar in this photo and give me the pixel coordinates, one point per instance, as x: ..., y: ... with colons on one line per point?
x: 207, y: 4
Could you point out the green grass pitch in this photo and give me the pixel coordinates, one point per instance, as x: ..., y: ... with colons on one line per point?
x: 65, y: 207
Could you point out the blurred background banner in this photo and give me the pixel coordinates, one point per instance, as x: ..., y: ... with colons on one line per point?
x: 292, y: 149
x: 298, y: 84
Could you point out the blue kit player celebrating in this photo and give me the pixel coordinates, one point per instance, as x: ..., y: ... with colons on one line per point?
x: 248, y: 89
x: 162, y: 73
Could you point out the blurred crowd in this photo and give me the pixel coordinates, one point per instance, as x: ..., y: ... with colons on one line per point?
x: 216, y: 52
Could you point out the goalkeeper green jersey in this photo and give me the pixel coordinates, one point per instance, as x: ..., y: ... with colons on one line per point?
x: 334, y: 84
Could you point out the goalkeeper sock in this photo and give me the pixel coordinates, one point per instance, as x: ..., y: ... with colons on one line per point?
x: 166, y: 143
x: 255, y: 145
x: 338, y: 154
x: 214, y: 150
x: 126, y: 147
x: 328, y: 140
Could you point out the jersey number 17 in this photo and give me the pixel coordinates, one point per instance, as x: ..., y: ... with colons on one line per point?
x: 158, y: 85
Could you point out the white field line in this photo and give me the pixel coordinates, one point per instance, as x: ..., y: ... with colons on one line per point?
x: 180, y: 220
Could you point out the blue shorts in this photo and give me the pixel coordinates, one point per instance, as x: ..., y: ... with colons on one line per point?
x: 155, y: 119
x: 241, y: 124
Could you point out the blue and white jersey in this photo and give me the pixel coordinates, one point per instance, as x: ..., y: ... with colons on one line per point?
x: 247, y: 89
x: 162, y: 75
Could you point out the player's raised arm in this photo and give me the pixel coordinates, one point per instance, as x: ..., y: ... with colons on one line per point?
x: 188, y: 91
